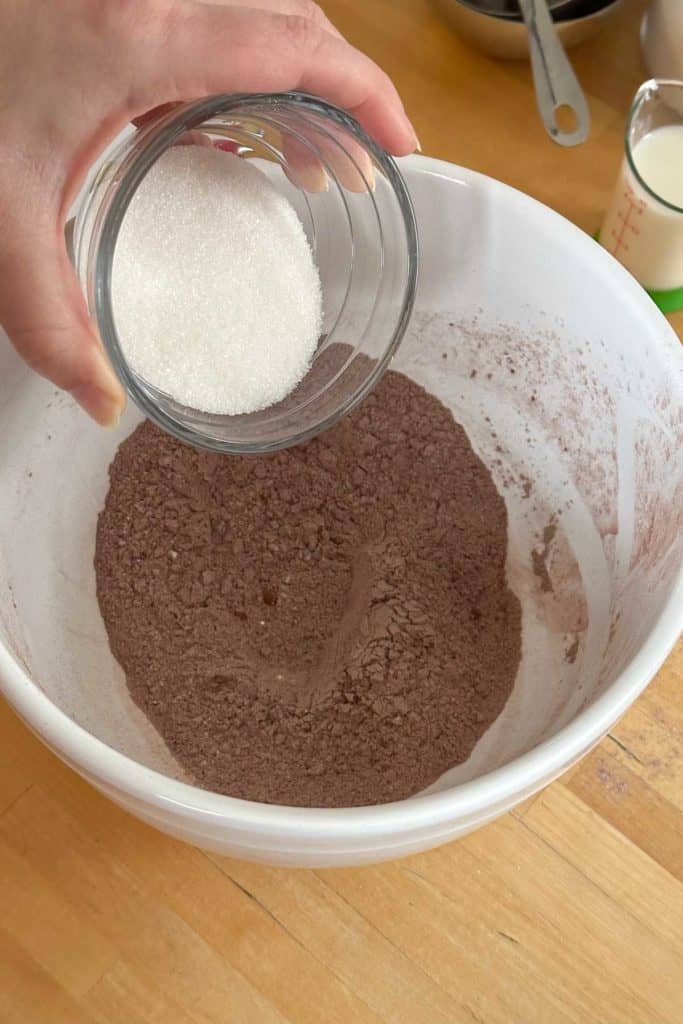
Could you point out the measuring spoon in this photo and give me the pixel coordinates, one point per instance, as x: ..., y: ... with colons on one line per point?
x: 554, y: 80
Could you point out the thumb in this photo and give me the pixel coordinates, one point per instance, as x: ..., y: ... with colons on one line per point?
x: 44, y: 314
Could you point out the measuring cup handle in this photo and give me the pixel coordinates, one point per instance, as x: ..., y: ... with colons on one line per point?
x: 554, y: 78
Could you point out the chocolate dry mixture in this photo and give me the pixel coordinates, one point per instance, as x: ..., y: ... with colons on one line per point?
x: 326, y: 626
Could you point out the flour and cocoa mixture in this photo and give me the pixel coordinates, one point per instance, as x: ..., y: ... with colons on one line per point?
x: 325, y: 626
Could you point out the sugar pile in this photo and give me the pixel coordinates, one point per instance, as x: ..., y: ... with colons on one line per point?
x: 216, y: 297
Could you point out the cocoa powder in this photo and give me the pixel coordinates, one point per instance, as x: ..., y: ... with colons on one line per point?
x: 325, y: 626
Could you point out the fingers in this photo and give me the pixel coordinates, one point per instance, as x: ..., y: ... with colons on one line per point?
x: 303, y: 168
x: 43, y: 311
x: 347, y: 160
x: 302, y: 8
x: 209, y: 49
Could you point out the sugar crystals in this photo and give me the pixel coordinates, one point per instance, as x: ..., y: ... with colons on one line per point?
x: 216, y: 296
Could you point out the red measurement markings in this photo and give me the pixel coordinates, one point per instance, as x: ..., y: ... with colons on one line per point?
x: 633, y: 206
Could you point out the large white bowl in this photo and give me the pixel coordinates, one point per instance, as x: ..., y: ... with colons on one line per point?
x: 564, y: 373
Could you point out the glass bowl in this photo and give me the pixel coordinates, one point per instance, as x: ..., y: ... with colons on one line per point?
x: 360, y: 224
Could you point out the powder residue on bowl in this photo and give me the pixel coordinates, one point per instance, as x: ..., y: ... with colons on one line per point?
x: 216, y: 297
x: 540, y: 557
x: 329, y: 625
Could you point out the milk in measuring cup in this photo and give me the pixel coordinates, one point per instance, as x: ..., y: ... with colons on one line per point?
x: 644, y: 234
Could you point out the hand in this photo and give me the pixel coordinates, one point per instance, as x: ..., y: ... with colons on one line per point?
x: 74, y: 73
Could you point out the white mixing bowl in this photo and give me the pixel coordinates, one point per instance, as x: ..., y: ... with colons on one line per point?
x: 568, y: 381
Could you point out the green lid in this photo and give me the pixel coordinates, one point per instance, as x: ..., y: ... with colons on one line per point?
x: 668, y: 301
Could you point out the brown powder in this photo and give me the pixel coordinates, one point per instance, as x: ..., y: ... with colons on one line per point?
x: 325, y: 626
x: 541, y: 555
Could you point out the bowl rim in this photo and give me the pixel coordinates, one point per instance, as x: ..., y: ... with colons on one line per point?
x: 115, y: 772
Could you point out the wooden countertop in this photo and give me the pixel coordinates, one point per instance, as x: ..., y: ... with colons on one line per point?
x: 568, y: 910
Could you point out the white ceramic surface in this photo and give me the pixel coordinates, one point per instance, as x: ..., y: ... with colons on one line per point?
x: 569, y: 383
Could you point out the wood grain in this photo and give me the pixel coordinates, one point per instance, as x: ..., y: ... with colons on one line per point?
x: 568, y: 910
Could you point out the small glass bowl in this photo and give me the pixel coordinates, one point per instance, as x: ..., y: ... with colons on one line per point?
x: 358, y: 218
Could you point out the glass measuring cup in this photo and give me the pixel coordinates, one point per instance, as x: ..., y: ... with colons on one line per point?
x: 643, y: 226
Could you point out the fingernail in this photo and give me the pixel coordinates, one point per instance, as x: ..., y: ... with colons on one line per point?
x: 352, y: 165
x: 100, y: 406
x: 113, y: 421
x: 418, y: 147
x: 104, y: 376
x: 102, y: 397
x: 358, y: 179
x: 227, y: 146
x: 311, y: 177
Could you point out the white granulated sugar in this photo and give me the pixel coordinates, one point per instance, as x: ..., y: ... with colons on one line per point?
x: 216, y: 297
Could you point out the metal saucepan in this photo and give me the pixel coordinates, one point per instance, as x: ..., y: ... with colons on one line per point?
x: 511, y: 8
x: 507, y: 37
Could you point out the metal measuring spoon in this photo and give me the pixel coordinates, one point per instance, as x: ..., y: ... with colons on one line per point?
x: 554, y: 79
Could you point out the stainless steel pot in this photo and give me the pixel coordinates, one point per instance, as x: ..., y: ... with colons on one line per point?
x: 506, y: 36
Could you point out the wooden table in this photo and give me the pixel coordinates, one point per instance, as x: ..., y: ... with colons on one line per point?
x: 569, y: 909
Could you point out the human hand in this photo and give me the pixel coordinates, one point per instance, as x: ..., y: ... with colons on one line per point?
x: 74, y: 73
